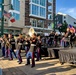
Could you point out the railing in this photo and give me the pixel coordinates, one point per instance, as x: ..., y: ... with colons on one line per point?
x: 50, y: 1
x: 50, y: 10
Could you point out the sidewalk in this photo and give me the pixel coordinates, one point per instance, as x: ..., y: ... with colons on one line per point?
x: 0, y: 71
x: 43, y: 67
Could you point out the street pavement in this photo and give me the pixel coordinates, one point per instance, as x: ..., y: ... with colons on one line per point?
x: 0, y: 71
x: 46, y: 66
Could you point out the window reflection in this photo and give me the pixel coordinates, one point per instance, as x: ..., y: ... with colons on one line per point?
x: 38, y: 8
x: 36, y: 22
x: 42, y: 2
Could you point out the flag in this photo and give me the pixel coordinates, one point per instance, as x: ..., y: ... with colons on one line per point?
x: 5, y: 13
x: 70, y: 26
x: 52, y: 25
x: 72, y: 29
x: 12, y: 19
x: 59, y: 25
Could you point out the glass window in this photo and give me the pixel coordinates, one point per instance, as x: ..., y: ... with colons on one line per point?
x: 34, y: 22
x: 37, y: 23
x: 42, y: 12
x: 0, y: 8
x: 38, y: 10
x: 35, y: 9
x: 49, y: 0
x: 16, y: 5
x: 49, y: 16
x: 16, y: 16
x: 40, y: 23
x: 64, y: 17
x: 64, y: 21
x: 35, y: 1
x: 43, y: 2
x: 0, y: 14
x: 0, y: 1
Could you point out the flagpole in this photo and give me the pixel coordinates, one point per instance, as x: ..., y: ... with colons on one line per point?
x: 2, y: 20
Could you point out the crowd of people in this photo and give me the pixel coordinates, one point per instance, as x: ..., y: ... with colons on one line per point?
x: 32, y: 45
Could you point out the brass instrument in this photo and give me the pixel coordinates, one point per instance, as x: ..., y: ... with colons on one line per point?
x: 31, y: 31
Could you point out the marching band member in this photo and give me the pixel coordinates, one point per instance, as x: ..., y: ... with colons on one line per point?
x: 31, y: 52
x: 12, y: 44
x: 38, y: 45
x: 20, y: 41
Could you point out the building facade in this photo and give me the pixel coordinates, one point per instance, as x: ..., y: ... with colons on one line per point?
x: 61, y: 18
x: 32, y: 13
x: 16, y: 9
x: 0, y: 7
x: 39, y: 14
x: 8, y: 26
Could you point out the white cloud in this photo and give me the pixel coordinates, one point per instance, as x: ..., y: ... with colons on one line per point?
x: 70, y: 11
x: 61, y: 9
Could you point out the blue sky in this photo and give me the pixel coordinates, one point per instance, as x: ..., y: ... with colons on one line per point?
x: 66, y: 7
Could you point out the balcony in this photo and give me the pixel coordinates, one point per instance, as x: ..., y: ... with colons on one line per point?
x: 50, y: 17
x: 49, y: 2
x: 49, y: 11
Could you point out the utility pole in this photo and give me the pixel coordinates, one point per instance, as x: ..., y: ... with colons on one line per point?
x: 2, y: 20
x: 54, y: 22
x: 54, y: 12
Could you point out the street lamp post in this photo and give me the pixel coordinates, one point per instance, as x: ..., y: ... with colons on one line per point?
x: 2, y: 20
x: 54, y: 21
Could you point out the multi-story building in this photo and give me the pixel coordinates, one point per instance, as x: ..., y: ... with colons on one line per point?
x: 39, y: 14
x: 16, y: 9
x: 7, y: 24
x: 61, y: 18
x: 33, y: 13
x: 0, y: 7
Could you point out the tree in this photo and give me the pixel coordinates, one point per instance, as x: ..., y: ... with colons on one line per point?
x: 63, y: 28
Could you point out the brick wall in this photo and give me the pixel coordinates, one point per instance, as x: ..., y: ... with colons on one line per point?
x: 27, y: 11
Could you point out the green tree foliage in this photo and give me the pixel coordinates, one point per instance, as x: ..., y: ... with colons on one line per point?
x: 63, y: 28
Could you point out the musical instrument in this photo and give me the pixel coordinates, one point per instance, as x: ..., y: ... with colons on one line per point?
x: 31, y: 31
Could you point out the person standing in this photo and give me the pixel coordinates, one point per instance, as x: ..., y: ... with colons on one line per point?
x: 27, y: 44
x: 31, y: 52
x: 56, y: 39
x: 72, y: 37
x: 20, y: 41
x: 6, y: 45
x: 51, y: 40
x: 38, y: 45
x: 12, y: 48
x: 3, y: 43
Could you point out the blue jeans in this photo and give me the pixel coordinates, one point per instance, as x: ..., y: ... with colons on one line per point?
x: 3, y: 51
x: 29, y: 55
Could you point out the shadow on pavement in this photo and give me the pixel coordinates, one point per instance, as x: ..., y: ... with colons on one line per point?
x: 44, y: 68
